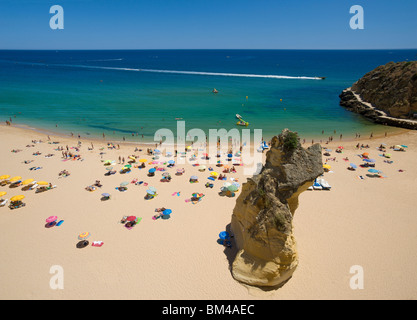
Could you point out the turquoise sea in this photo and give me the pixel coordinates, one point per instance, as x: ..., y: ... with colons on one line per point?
x: 123, y: 92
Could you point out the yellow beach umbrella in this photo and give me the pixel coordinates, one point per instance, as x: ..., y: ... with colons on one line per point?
x: 143, y: 160
x: 28, y: 181
x: 2, y: 194
x: 43, y: 183
x: 214, y: 174
x: 17, y: 198
x: 327, y: 166
x: 4, y: 177
x: 15, y: 179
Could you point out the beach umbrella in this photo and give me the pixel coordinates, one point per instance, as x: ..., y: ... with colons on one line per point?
x: 166, y: 174
x: 214, y: 174
x: 109, y: 168
x: 171, y: 161
x: 128, y: 166
x: 366, y: 154
x: 152, y: 189
x: 43, y: 183
x: 374, y: 171
x: 152, y: 170
x: 194, y: 178
x: 328, y: 150
x: 2, y: 194
x: 224, y: 235
x: 131, y: 218
x: 227, y: 184
x: 404, y: 146
x: 51, y: 219
x: 4, y: 177
x: 106, y: 195
x: 234, y: 187
x: 84, y: 236
x: 230, y: 155
x: 28, y: 181
x: 143, y: 160
x: 189, y: 148
x: 202, y: 168
x: 151, y: 192
x: 17, y: 198
x: 327, y: 166
x: 124, y: 184
x: 132, y: 158
x: 157, y: 151
x: 387, y: 155
x: 354, y: 166
x: 167, y: 212
x: 369, y: 160
x: 15, y: 179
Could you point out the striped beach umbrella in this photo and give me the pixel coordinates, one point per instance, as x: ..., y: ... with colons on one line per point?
x: 52, y: 219
x: 84, y: 236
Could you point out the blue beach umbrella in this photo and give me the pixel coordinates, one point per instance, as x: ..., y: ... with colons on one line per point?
x: 224, y: 235
x: 404, y: 146
x: 374, y: 171
x: 106, y: 195
x: 151, y: 192
x: 171, y: 161
x: 152, y: 170
x: 167, y: 212
x: 354, y: 166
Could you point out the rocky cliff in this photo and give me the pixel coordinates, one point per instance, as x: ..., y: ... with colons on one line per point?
x: 386, y: 95
x: 263, y: 215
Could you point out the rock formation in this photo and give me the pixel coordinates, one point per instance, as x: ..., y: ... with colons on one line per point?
x: 386, y: 95
x: 262, y: 217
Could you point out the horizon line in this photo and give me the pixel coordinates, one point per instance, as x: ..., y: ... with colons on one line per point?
x: 179, y: 49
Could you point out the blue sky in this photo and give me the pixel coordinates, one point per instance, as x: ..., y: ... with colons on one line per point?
x: 214, y: 24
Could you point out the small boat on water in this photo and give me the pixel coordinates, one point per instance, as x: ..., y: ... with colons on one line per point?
x: 242, y: 122
x: 215, y: 90
x: 238, y: 116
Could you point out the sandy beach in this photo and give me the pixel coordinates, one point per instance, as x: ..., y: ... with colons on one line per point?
x: 368, y: 222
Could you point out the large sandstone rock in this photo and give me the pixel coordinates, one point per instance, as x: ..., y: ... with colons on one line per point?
x: 262, y: 217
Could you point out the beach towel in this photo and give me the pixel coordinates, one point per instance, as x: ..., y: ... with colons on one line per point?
x: 97, y: 244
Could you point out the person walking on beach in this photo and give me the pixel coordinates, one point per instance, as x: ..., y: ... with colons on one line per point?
x: 120, y: 159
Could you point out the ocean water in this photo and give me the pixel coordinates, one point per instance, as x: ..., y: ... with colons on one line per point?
x: 123, y: 92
